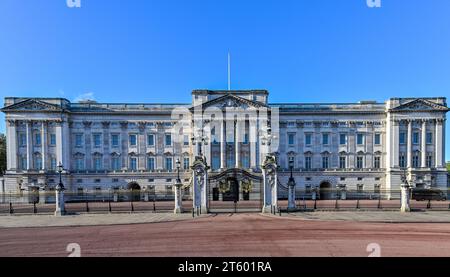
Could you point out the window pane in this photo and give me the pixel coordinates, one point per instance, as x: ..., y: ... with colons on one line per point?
x: 150, y: 140
x: 342, y: 139
x: 377, y: 139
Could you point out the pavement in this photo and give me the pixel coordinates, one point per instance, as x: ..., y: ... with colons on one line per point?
x: 233, y: 235
x: 374, y: 216
x: 46, y: 220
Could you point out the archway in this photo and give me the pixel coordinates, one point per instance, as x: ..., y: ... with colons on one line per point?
x: 135, y: 191
x: 326, y: 191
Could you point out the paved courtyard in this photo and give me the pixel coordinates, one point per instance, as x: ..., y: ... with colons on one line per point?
x: 231, y: 235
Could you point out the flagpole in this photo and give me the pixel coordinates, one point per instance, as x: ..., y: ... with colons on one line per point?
x: 229, y: 72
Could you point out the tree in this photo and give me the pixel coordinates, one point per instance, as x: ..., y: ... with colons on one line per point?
x: 2, y: 153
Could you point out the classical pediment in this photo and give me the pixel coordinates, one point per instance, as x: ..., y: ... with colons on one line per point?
x: 420, y: 105
x: 32, y: 105
x: 231, y: 101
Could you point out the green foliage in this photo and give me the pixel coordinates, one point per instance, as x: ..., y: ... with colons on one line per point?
x: 2, y: 153
x: 448, y: 166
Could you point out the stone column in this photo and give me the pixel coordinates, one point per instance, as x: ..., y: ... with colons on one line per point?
x: 252, y: 141
x: 395, y: 146
x: 439, y: 151
x: 223, y: 145
x: 29, y: 146
x: 291, y: 194
x: 237, y: 144
x: 44, y: 136
x: 200, y: 184
x: 405, y: 191
x: 423, y: 146
x: 11, y: 145
x: 178, y: 198
x: 60, y: 206
x: 59, y: 143
x: 269, y: 169
x: 409, y: 145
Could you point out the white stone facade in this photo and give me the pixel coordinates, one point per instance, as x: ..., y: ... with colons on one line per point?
x: 362, y: 146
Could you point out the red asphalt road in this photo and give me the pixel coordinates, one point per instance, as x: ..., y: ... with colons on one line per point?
x: 232, y: 235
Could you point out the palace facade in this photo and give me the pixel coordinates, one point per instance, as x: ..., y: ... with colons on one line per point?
x: 363, y: 147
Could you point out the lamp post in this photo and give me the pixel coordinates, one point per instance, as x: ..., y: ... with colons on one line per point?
x: 59, y: 193
x: 291, y: 186
x: 405, y: 193
x: 178, y: 184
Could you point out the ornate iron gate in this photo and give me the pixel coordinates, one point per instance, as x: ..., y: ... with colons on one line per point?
x: 235, y: 190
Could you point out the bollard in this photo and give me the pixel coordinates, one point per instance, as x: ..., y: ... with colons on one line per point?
x: 34, y: 208
x: 87, y: 206
x: 279, y: 211
x: 336, y: 205
x: 429, y: 204
x: 379, y: 203
x: 154, y: 205
x: 109, y: 206
x: 132, y: 206
x: 357, y: 204
x: 11, y: 210
x: 315, y: 204
x: 198, y: 212
x: 193, y: 212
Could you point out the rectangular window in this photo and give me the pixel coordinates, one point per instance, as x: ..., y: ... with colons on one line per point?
x: 325, y: 162
x: 37, y: 139
x: 97, y: 140
x: 415, y: 161
x: 416, y: 138
x: 291, y: 138
x: 308, y: 162
x: 133, y: 163
x: 216, y: 162
x: 307, y: 188
x: 325, y: 139
x: 52, y: 140
x: 376, y: 162
x: 402, y: 138
x: 308, y: 139
x: 342, y: 139
x: 169, y: 164
x: 168, y: 139
x: 151, y: 163
x: 246, y: 139
x: 115, y: 165
x: 97, y: 163
x: 377, y: 139
x: 359, y: 162
x: 186, y: 140
x: 360, y: 139
x: 23, y: 163
x: 429, y: 138
x: 429, y: 160
x: 79, y: 164
x: 342, y: 162
x: 53, y: 163
x: 402, y: 161
x: 38, y: 163
x: 133, y: 140
x: 23, y: 139
x: 151, y: 140
x: 377, y: 189
x: 245, y: 162
x: 115, y: 140
x: 78, y: 140
x: 186, y: 163
x: 360, y: 188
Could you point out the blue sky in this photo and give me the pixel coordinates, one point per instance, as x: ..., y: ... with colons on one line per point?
x: 159, y: 50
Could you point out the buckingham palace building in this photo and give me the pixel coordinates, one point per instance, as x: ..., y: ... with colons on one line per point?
x: 364, y: 146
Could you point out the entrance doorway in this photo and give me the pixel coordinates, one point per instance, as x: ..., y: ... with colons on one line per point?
x: 233, y: 193
x: 135, y: 191
x: 326, y: 192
